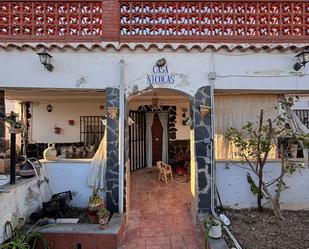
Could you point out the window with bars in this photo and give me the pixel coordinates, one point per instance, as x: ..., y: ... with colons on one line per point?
x: 91, y: 130
x: 303, y: 116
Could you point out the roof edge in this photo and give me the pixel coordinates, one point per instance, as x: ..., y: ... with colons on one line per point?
x: 91, y: 46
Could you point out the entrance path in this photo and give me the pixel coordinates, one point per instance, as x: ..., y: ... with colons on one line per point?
x: 159, y: 214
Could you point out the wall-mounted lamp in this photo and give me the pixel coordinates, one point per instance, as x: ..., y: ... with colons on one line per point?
x: 303, y: 58
x: 45, y: 59
x: 187, y: 121
x: 161, y: 62
x: 49, y: 108
x: 184, y: 111
x: 205, y: 110
x: 112, y: 111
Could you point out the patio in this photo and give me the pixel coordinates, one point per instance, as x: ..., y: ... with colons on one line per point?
x: 159, y: 214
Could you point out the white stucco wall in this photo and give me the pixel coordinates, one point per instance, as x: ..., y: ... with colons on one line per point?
x: 64, y: 176
x: 235, y: 191
x: 235, y: 70
x: 23, y: 199
x: 43, y: 122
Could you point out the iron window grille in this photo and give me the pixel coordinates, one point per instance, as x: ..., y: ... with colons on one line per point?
x: 91, y: 130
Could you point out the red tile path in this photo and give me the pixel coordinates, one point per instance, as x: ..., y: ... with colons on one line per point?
x: 159, y: 215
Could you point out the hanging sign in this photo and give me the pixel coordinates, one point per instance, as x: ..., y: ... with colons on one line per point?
x: 160, y: 75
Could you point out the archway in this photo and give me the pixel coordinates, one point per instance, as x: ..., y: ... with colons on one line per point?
x: 161, y: 130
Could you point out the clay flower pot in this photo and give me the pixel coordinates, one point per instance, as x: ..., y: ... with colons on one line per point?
x: 103, y: 222
x: 57, y: 130
x: 71, y: 122
x: 92, y: 215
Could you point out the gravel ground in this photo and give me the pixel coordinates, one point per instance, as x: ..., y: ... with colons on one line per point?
x: 256, y: 230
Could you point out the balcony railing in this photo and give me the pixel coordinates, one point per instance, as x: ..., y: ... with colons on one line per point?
x: 245, y: 21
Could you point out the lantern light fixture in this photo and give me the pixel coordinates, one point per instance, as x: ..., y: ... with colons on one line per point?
x: 45, y: 59
x: 303, y: 58
x: 161, y: 62
x: 49, y: 108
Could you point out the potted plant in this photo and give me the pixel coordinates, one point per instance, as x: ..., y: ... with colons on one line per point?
x: 20, y: 237
x: 293, y: 147
x: 94, y: 203
x: 304, y: 138
x: 103, y: 216
x: 213, y: 229
x: 14, y: 125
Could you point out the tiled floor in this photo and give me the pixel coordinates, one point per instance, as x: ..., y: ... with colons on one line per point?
x: 159, y: 216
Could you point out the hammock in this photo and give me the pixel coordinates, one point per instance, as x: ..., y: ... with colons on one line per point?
x: 298, y: 128
x: 96, y: 175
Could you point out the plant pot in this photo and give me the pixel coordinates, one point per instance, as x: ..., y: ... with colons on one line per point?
x: 57, y: 130
x: 92, y: 216
x: 293, y: 150
x: 306, y: 156
x: 71, y: 122
x: 103, y: 222
x: 215, y: 231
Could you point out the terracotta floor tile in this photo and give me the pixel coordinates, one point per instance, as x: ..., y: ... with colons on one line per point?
x: 159, y: 215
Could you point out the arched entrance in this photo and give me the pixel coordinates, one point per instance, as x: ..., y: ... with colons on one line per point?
x: 161, y: 130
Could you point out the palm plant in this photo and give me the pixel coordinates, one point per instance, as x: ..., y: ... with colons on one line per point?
x: 21, y: 238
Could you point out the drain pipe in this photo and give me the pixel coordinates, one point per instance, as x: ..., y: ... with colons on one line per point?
x: 211, y: 77
x: 121, y: 136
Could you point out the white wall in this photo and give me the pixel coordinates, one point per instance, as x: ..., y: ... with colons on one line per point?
x: 23, y: 199
x: 235, y: 191
x: 44, y: 122
x: 64, y: 176
x: 235, y: 70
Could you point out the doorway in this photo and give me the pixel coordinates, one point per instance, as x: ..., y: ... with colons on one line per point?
x: 157, y: 132
x: 151, y: 201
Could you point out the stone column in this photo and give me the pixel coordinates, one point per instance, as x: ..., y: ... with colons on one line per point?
x: 2, y: 125
x: 112, y: 168
x: 202, y: 131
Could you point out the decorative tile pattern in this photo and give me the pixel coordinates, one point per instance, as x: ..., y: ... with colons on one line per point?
x: 240, y: 20
x: 172, y: 114
x: 157, y: 21
x: 51, y: 18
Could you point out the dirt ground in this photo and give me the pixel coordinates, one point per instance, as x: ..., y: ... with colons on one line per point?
x: 256, y: 230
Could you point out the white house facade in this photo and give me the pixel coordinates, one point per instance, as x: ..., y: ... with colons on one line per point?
x: 140, y: 67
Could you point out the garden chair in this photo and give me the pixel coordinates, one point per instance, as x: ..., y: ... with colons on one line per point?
x: 165, y: 171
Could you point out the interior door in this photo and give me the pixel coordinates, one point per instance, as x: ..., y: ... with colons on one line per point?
x: 137, y: 140
x: 157, y: 132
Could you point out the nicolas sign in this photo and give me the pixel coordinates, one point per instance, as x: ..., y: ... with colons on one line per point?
x: 160, y: 75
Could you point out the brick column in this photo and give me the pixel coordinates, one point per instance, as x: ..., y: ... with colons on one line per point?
x: 110, y: 29
x: 202, y: 130
x: 2, y: 125
x: 112, y: 168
